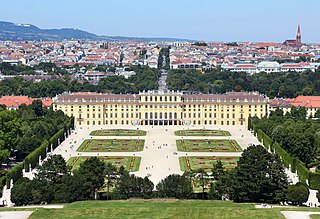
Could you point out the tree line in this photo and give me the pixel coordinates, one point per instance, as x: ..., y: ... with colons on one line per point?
x: 258, y: 177
x: 24, y: 129
x: 275, y: 84
x: 145, y: 79
x: 299, y: 136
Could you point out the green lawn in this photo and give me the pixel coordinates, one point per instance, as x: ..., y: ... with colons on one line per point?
x: 206, y: 163
x: 130, y: 163
x: 315, y: 216
x: 208, y: 145
x: 118, y: 132
x: 159, y: 209
x: 202, y: 132
x: 111, y: 145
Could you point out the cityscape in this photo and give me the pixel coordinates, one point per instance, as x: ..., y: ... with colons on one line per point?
x: 125, y: 113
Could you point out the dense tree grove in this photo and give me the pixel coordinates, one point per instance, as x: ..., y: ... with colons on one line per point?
x: 23, y: 130
x: 145, y: 79
x: 298, y: 193
x: 299, y: 136
x: 276, y: 84
x: 54, y: 183
x: 50, y: 68
x: 259, y: 177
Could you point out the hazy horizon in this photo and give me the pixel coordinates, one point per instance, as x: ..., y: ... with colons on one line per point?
x: 230, y: 20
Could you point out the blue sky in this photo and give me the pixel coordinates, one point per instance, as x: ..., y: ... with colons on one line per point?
x: 210, y: 20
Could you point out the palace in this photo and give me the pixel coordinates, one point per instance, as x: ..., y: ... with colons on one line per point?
x: 162, y: 108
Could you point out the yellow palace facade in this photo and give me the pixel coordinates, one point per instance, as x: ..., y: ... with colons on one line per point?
x: 162, y: 108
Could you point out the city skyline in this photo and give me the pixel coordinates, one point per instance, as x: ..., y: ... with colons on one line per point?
x: 209, y: 21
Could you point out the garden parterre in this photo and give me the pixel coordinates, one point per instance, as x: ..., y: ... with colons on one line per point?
x: 206, y: 162
x: 130, y: 163
x: 208, y: 145
x: 111, y: 145
x: 118, y: 132
x: 202, y: 132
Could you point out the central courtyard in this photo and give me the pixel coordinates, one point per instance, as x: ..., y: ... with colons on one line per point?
x: 160, y: 152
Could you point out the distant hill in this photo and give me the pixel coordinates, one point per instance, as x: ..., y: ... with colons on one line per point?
x: 29, y: 32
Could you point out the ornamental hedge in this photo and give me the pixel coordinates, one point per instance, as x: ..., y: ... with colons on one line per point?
x: 33, y: 158
x: 296, y: 165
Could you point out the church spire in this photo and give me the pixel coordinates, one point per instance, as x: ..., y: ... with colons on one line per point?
x: 298, y: 37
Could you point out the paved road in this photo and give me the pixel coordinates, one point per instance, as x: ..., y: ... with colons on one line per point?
x: 162, y: 82
x: 298, y: 214
x: 15, y: 214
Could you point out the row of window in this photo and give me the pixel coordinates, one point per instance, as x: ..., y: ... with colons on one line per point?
x: 160, y: 98
x: 126, y: 122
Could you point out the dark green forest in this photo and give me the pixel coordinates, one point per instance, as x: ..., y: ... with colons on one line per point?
x: 277, y: 84
x: 24, y: 129
x: 145, y: 79
x: 299, y: 136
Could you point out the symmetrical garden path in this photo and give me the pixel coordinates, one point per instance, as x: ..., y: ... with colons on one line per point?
x: 160, y: 156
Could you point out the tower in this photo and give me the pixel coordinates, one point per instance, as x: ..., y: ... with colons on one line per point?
x: 298, y: 36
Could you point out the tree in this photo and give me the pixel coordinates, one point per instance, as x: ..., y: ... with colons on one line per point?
x: 52, y: 170
x: 202, y: 179
x: 37, y: 108
x: 298, y: 193
x: 111, y: 174
x: 175, y: 186
x: 21, y: 192
x: 131, y: 186
x: 92, y: 175
x: 221, y: 187
x: 259, y: 177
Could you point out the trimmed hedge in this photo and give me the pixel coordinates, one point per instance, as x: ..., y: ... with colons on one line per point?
x: 33, y: 158
x: 3, y: 181
x: 286, y: 158
x: 296, y: 165
x: 314, y: 181
x: 15, y: 173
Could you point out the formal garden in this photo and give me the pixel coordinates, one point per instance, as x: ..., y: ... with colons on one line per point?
x: 111, y: 145
x: 131, y: 164
x: 208, y: 145
x: 206, y: 162
x: 118, y: 132
x: 202, y: 132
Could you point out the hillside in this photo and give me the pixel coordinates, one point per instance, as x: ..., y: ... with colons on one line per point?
x: 29, y: 32
x: 11, y: 31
